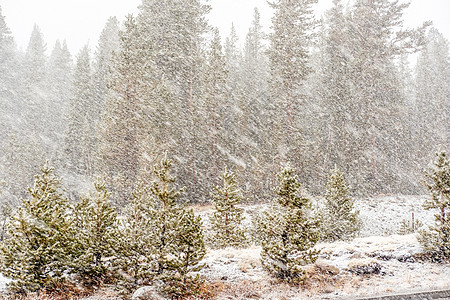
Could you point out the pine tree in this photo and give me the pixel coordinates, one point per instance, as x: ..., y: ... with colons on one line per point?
x: 339, y: 220
x: 35, y: 59
x: 233, y: 60
x: 79, y: 141
x: 288, y: 233
x: 177, y: 36
x: 97, y: 235
x: 177, y: 236
x: 59, y: 85
x: 35, y: 255
x: 335, y: 87
x: 135, y: 254
x: 376, y: 38
x: 253, y: 130
x: 288, y: 54
x: 108, y: 46
x: 226, y: 221
x: 130, y: 107
x: 160, y: 238
x: 7, y: 55
x: 438, y: 175
x: 432, y: 94
x: 216, y: 104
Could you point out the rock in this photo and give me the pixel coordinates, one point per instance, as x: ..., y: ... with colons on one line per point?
x: 147, y: 293
x: 364, y: 267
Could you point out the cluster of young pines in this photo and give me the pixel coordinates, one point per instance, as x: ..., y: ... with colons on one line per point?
x: 155, y: 238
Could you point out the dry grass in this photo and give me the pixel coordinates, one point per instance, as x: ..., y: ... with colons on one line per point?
x: 322, y: 278
x: 72, y: 292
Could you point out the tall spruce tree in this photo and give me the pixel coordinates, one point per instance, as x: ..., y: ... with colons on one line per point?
x: 288, y: 53
x: 335, y: 88
x: 7, y: 55
x: 226, y: 221
x: 215, y: 106
x: 35, y: 59
x: 129, y: 109
x: 253, y: 131
x: 79, y: 141
x: 376, y: 38
x: 59, y: 85
x: 108, y: 46
x: 432, y: 94
x: 339, y: 219
x: 288, y: 233
x: 176, y: 30
x: 41, y: 238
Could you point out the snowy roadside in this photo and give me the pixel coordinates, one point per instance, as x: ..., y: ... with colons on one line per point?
x: 240, y: 270
x: 378, y: 242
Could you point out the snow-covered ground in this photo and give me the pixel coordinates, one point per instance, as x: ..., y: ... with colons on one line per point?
x: 383, y: 215
x: 241, y: 276
x: 241, y: 273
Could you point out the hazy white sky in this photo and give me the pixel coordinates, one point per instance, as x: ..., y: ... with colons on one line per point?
x: 81, y: 21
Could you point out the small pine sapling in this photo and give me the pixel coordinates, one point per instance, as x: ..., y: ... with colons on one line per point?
x: 40, y: 240
x: 135, y: 251
x: 177, y: 235
x: 97, y: 234
x: 226, y: 221
x: 288, y: 234
x: 437, y: 240
x: 339, y: 219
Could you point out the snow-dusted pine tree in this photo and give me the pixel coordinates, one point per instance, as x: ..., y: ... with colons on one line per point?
x: 80, y: 136
x: 128, y: 117
x: 376, y: 38
x: 160, y: 238
x: 288, y: 233
x: 135, y: 256
x: 97, y: 235
x: 108, y: 45
x: 177, y: 35
x: 59, y: 89
x: 7, y: 56
x: 176, y: 235
x: 216, y: 103
x: 35, y: 59
x: 41, y: 237
x: 290, y: 41
x: 226, y: 221
x: 339, y: 219
x: 438, y: 175
x: 432, y: 94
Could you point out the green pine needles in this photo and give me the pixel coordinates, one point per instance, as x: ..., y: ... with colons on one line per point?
x: 288, y: 234
x: 437, y: 240
x: 339, y: 219
x: 41, y: 237
x: 176, y: 233
x: 226, y: 221
x: 163, y: 240
x: 157, y: 239
x: 97, y: 231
